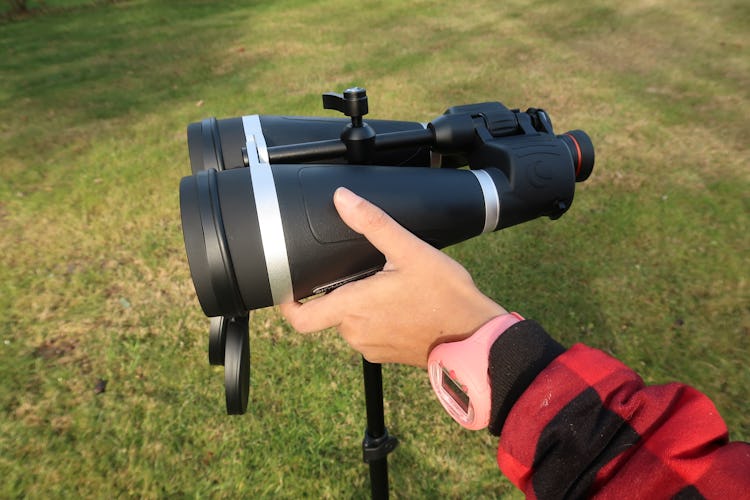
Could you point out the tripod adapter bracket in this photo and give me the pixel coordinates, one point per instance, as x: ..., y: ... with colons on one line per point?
x: 374, y: 449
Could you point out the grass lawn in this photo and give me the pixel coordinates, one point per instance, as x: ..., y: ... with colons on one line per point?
x: 106, y: 389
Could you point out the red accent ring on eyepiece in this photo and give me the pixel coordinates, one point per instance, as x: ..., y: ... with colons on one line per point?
x: 578, y: 150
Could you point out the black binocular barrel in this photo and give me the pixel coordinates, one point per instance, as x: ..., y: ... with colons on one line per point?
x: 270, y: 234
x: 218, y: 144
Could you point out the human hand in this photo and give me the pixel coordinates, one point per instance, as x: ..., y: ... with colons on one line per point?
x: 420, y: 299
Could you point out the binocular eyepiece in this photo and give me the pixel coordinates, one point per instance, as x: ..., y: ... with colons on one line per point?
x: 258, y: 218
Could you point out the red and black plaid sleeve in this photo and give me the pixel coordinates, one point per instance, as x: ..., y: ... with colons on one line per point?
x: 578, y: 423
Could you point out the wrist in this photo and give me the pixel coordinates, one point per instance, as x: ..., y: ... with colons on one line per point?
x: 459, y: 373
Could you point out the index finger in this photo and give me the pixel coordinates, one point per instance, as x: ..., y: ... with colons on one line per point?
x: 319, y: 313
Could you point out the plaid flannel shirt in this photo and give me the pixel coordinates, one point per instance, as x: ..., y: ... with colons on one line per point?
x: 577, y: 423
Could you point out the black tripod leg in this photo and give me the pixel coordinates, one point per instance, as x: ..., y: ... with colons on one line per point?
x: 377, y: 443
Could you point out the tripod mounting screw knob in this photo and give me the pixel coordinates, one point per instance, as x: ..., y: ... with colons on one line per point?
x: 358, y: 136
x: 353, y: 103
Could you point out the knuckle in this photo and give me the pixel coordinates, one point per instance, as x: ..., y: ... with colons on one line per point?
x: 351, y: 337
x: 300, y: 323
x: 376, y: 219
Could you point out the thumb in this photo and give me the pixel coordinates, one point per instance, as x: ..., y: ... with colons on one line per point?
x: 385, y: 234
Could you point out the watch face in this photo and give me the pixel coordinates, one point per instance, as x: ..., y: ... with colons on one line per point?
x: 454, y: 390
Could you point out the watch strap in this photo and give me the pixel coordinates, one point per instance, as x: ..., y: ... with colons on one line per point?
x: 466, y: 363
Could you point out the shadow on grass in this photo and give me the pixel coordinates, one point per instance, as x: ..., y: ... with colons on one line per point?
x: 104, y: 61
x: 23, y: 10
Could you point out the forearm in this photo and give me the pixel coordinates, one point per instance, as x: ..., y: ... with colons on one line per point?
x: 580, y: 423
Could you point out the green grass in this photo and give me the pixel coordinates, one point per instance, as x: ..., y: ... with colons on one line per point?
x: 650, y: 264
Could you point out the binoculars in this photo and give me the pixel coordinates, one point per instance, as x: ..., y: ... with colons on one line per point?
x: 258, y: 218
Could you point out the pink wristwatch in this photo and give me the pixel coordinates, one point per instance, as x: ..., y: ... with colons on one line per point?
x: 459, y: 376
